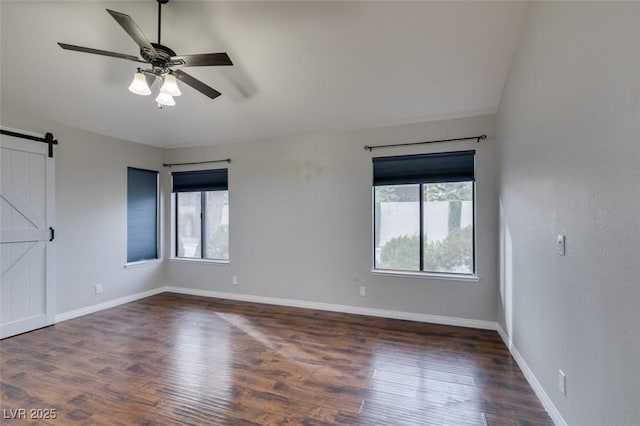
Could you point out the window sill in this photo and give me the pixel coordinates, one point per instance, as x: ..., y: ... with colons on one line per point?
x: 205, y: 261
x: 426, y: 275
x: 142, y: 263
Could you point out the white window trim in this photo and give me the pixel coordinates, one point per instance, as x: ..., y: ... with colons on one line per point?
x: 206, y: 261
x: 426, y: 275
x: 173, y: 237
x: 140, y: 263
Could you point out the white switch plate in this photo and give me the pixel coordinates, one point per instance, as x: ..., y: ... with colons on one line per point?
x: 363, y: 291
x: 562, y: 382
x: 98, y: 288
x: 561, y: 244
x: 234, y: 280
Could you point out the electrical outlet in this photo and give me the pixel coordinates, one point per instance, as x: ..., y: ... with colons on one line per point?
x: 560, y: 245
x: 234, y: 280
x: 562, y: 382
x: 98, y: 288
x: 363, y: 291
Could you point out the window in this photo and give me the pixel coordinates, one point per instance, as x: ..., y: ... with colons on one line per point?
x: 142, y: 215
x: 202, y: 214
x: 424, y: 213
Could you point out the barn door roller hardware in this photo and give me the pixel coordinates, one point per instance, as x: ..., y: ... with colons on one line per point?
x: 48, y: 139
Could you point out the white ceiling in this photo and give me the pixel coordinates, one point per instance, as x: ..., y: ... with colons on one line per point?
x: 300, y: 66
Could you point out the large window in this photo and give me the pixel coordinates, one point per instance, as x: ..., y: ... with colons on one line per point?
x: 202, y: 214
x: 424, y: 213
x: 142, y: 215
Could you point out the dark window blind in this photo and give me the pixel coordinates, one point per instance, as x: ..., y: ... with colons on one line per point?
x: 455, y: 166
x: 142, y: 214
x: 200, y: 180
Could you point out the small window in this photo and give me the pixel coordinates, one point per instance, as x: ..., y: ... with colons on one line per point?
x: 424, y: 213
x: 202, y: 214
x: 142, y: 215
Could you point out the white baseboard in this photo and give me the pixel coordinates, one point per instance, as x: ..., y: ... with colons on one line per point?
x: 383, y: 313
x: 106, y: 305
x: 531, y: 378
x: 410, y: 316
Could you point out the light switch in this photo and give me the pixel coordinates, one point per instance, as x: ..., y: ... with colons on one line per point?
x: 560, y: 245
x: 562, y: 382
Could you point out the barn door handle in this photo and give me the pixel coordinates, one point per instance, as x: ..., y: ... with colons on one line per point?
x: 52, y: 233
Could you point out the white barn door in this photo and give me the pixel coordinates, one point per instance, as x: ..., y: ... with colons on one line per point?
x: 27, y: 282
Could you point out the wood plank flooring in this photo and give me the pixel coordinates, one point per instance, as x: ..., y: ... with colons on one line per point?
x: 175, y: 359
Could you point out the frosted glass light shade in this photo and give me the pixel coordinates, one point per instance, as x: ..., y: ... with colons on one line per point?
x: 139, y: 85
x: 170, y: 86
x: 165, y: 99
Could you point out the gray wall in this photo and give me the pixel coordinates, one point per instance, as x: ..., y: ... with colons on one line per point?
x: 568, y: 131
x: 91, y: 214
x: 301, y: 222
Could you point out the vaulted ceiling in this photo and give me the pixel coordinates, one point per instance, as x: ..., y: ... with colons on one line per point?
x: 300, y: 66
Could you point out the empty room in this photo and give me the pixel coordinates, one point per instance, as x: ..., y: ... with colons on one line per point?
x: 320, y: 212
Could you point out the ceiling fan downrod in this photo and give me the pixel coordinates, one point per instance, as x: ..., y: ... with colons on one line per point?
x: 160, y: 3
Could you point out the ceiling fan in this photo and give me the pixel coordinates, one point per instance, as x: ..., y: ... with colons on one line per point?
x: 162, y: 60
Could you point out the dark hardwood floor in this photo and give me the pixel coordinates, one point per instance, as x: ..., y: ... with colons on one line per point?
x: 174, y: 359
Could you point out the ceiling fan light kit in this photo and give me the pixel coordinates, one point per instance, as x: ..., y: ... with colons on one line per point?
x: 170, y: 86
x: 164, y: 99
x: 162, y: 59
x: 139, y: 84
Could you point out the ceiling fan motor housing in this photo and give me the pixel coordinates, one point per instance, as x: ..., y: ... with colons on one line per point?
x: 162, y: 59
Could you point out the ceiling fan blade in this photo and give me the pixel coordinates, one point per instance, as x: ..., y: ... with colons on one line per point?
x: 203, y: 60
x: 127, y: 23
x: 196, y: 84
x: 100, y: 52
